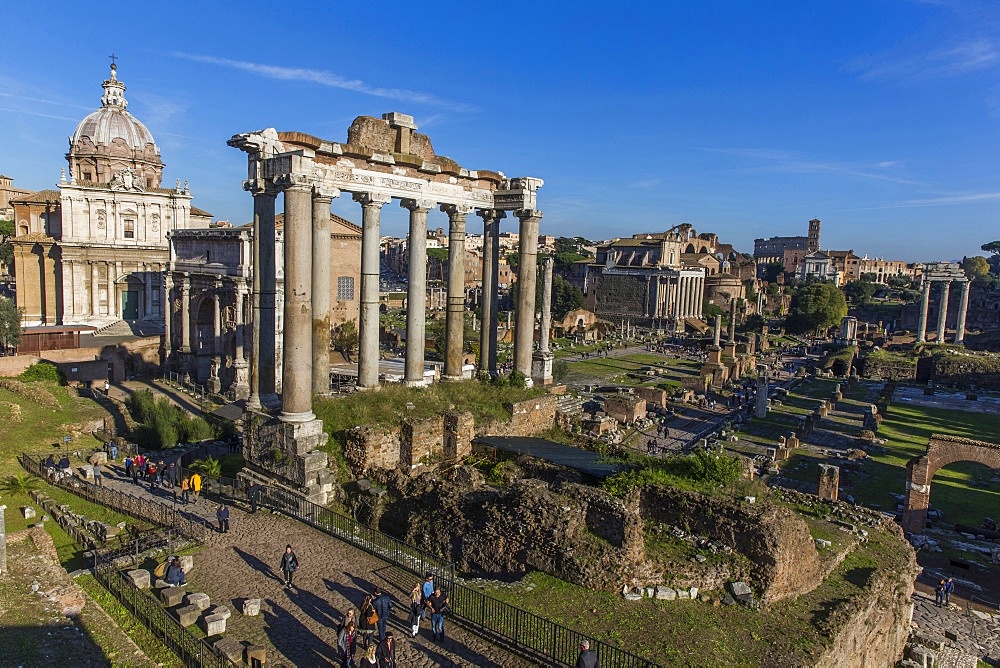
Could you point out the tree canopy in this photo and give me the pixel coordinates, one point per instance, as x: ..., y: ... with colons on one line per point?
x: 10, y: 323
x: 6, y: 249
x: 816, y: 307
x: 976, y: 267
x: 860, y: 292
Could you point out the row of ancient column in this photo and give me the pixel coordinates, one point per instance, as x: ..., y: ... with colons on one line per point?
x: 963, y: 309
x: 679, y: 297
x: 306, y: 343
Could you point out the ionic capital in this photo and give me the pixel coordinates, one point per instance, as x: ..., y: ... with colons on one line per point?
x: 528, y: 215
x: 257, y: 187
x: 293, y: 181
x: 456, y: 211
x: 374, y: 200
x: 417, y: 205
x: 321, y: 192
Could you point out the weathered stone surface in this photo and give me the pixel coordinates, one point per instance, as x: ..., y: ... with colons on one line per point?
x: 98, y: 458
x: 213, y: 624
x: 221, y: 611
x: 171, y: 596
x: 739, y: 588
x: 231, y: 648
x: 665, y: 593
x: 255, y: 653
x: 139, y: 577
x: 188, y: 614
x: 187, y: 562
x: 199, y: 600
x: 251, y: 607
x: 29, y: 512
x: 160, y: 584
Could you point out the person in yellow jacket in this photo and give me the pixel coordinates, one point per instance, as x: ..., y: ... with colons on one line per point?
x: 196, y: 486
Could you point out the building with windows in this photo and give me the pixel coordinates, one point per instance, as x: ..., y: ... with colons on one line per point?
x: 767, y: 251
x: 94, y: 251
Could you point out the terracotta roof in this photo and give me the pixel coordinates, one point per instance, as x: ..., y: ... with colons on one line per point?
x: 41, y: 197
x: 195, y: 211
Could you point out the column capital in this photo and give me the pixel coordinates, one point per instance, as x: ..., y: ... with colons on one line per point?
x: 375, y: 200
x: 321, y: 192
x: 260, y: 187
x: 417, y: 205
x: 491, y: 215
x: 547, y: 260
x: 531, y: 215
x: 293, y: 181
x: 454, y: 211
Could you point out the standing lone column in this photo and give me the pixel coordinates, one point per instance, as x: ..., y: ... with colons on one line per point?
x: 541, y: 368
x: 455, y: 322
x: 924, y: 302
x: 416, y: 291
x: 491, y: 258
x: 524, y: 328
x: 371, y: 213
x: 186, y: 314
x: 297, y: 348
x: 943, y: 314
x: 963, y: 308
x: 168, y: 316
x: 321, y: 199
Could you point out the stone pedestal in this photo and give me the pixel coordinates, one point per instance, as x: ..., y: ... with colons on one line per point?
x: 829, y: 482
x: 541, y: 368
x: 303, y: 437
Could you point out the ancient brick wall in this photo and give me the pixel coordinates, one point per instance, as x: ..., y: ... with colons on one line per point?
x: 652, y: 395
x: 527, y: 418
x: 829, y: 482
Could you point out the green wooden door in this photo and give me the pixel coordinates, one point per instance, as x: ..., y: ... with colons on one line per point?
x: 130, y: 305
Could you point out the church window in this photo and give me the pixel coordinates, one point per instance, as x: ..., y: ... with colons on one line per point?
x: 345, y: 288
x: 129, y: 228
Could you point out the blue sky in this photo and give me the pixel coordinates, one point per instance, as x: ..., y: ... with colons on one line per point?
x: 743, y: 118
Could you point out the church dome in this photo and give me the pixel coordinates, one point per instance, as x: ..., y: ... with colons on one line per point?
x: 112, y: 121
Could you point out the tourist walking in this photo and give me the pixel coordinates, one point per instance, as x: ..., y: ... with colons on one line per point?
x: 426, y: 590
x: 949, y: 587
x: 289, y: 564
x: 253, y: 494
x: 151, y: 475
x: 369, y: 660
x: 939, y: 594
x: 195, y: 486
x: 97, y: 476
x: 346, y: 645
x: 367, y: 620
x: 185, y: 488
x: 128, y: 466
x: 383, y: 607
x: 416, y: 609
x: 438, y: 604
x: 222, y: 514
x: 588, y: 657
x: 386, y: 652
x: 114, y: 451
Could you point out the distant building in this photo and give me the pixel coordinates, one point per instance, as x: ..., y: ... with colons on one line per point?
x: 7, y: 193
x: 766, y: 251
x: 94, y: 251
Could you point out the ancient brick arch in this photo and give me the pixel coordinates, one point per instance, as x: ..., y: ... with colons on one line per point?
x: 941, y: 451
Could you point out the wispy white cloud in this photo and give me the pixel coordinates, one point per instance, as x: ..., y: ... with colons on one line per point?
x: 38, y: 100
x: 945, y: 200
x: 972, y: 55
x: 29, y: 112
x: 329, y: 80
x: 794, y: 162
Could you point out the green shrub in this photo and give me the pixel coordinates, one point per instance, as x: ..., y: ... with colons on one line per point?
x: 43, y: 371
x: 163, y: 425
x: 701, y: 470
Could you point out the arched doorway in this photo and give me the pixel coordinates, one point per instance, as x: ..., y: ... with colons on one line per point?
x: 941, y: 451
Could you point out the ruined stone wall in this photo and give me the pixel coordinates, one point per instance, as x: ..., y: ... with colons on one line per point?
x: 784, y: 561
x: 652, y: 395
x: 527, y: 418
x: 872, y: 629
x: 444, y: 437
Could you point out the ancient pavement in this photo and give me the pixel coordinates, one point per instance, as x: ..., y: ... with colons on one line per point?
x: 976, y: 637
x: 298, y: 625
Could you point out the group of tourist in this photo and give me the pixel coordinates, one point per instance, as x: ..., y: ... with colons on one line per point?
x: 943, y: 592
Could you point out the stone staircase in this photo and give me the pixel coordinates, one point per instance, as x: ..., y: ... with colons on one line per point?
x: 569, y: 405
x: 116, y: 328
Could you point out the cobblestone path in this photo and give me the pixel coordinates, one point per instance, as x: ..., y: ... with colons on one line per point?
x: 976, y: 637
x: 298, y: 625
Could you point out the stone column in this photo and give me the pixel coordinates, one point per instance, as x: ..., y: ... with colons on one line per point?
x: 416, y: 290
x: 455, y: 322
x: 943, y: 313
x: 147, y: 297
x: 262, y: 354
x: 526, y: 278
x: 297, y: 348
x: 368, y: 324
x: 829, y: 482
x: 963, y: 308
x: 186, y: 314
x: 716, y: 335
x: 491, y: 260
x: 214, y: 382
x: 925, y: 298
x: 168, y: 316
x: 760, y: 407
x: 541, y: 368
x: 732, y: 321
x: 241, y: 386
x: 95, y: 290
x: 321, y: 287
x: 3, y: 542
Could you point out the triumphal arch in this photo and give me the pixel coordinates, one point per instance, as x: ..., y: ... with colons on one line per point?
x: 941, y: 451
x: 382, y: 160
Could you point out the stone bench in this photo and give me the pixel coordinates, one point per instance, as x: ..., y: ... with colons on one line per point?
x: 198, y: 600
x: 171, y: 596
x: 214, y: 624
x: 188, y: 615
x: 139, y: 577
x: 231, y: 648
